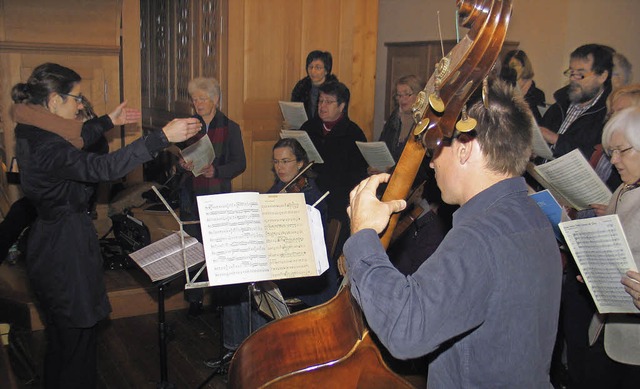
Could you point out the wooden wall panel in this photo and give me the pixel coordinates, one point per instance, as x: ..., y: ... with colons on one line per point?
x: 268, y: 43
x: 79, y: 22
x: 81, y: 34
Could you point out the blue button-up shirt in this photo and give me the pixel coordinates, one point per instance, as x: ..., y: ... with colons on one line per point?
x: 485, y: 304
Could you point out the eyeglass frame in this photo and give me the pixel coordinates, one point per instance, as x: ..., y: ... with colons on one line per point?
x: 611, y: 152
x: 78, y: 98
x: 327, y: 102
x: 315, y: 67
x: 399, y: 96
x: 200, y: 99
x: 447, y: 141
x: 569, y: 73
x: 284, y: 161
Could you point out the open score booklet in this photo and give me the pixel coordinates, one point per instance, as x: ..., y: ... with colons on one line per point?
x: 250, y: 237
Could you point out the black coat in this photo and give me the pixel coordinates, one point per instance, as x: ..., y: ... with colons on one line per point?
x: 344, y: 166
x: 584, y: 133
x: 302, y: 93
x: 64, y: 262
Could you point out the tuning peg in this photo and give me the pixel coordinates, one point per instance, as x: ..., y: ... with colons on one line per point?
x: 436, y: 102
x: 421, y: 126
x: 485, y: 92
x: 419, y: 107
x: 466, y: 123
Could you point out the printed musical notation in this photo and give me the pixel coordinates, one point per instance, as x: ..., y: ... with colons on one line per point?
x: 251, y: 237
x: 603, y: 256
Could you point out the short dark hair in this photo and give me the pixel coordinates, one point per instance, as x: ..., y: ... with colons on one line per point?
x: 323, y: 56
x: 296, y: 149
x: 505, y: 129
x: 44, y: 80
x: 602, y: 58
x: 337, y: 89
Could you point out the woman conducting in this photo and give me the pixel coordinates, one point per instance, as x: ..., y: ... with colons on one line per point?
x: 64, y: 262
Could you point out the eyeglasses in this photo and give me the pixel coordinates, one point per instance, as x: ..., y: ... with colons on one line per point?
x: 576, y: 76
x: 400, y: 95
x: 285, y: 161
x: 316, y: 67
x: 447, y: 141
x: 327, y: 102
x: 612, y: 152
x: 200, y: 100
x: 77, y: 98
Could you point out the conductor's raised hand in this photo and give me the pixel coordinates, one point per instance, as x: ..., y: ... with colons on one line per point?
x: 179, y: 130
x: 366, y: 211
x: 123, y: 115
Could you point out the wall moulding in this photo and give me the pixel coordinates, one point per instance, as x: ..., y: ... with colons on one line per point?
x: 31, y: 47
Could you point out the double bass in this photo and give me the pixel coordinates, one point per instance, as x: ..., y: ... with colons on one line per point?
x: 330, y: 345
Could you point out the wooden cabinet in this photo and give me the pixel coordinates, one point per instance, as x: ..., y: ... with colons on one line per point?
x: 418, y: 58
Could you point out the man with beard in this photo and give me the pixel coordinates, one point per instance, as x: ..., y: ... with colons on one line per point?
x: 577, y: 117
x: 576, y: 121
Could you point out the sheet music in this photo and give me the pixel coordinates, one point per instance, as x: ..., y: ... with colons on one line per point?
x: 163, y: 258
x: 540, y: 146
x: 288, y: 246
x: 575, y: 179
x: 603, y: 256
x: 293, y: 113
x: 250, y: 237
x: 201, y: 153
x: 531, y: 169
x: 376, y: 154
x: 317, y: 238
x: 233, y: 236
x: 303, y: 138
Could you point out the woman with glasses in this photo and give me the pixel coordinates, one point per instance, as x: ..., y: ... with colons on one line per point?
x: 396, y: 129
x: 289, y: 159
x: 612, y: 357
x: 334, y: 135
x: 517, y: 69
x: 307, y: 91
x: 64, y: 261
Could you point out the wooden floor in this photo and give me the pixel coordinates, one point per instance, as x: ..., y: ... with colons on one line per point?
x: 128, y: 352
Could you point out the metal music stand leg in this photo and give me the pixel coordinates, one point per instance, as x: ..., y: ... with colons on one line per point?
x: 162, y: 340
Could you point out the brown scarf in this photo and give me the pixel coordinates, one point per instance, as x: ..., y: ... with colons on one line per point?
x: 39, y: 116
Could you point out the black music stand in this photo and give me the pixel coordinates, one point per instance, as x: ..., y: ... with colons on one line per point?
x: 162, y: 336
x: 162, y: 284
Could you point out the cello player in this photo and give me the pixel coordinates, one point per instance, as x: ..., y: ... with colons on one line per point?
x: 484, y: 307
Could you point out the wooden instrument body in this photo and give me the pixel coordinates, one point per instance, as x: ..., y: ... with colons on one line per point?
x: 329, y: 345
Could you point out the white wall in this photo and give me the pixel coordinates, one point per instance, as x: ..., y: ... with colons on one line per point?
x: 548, y: 30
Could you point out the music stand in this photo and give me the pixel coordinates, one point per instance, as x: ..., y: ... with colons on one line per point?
x: 162, y: 328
